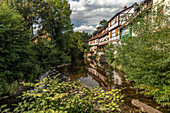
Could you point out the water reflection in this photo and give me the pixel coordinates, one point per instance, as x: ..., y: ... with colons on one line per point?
x: 107, y: 77
x: 96, y: 74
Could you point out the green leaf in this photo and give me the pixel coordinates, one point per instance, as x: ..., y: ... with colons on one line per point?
x: 15, y: 109
x: 3, y: 106
x: 113, y: 109
x: 118, y: 109
x: 6, y: 110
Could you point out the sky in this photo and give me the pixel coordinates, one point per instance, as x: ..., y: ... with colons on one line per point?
x: 86, y: 14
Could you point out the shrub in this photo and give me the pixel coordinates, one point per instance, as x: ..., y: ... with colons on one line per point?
x: 67, y: 97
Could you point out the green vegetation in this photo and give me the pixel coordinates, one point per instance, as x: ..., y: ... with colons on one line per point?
x: 24, y: 56
x: 71, y: 97
x: 145, y: 58
x: 88, y: 47
x: 102, y: 23
x: 15, y: 60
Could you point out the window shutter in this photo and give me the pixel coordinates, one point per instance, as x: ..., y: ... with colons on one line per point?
x: 116, y: 32
x: 111, y: 34
x: 115, y: 19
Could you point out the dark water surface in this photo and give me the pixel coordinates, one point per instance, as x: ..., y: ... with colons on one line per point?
x: 95, y: 74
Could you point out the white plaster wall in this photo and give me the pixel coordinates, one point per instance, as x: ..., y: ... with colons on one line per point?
x: 93, y: 48
x: 113, y: 26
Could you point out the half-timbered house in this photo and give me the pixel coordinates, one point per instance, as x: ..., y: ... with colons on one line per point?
x: 117, y: 21
x: 147, y: 6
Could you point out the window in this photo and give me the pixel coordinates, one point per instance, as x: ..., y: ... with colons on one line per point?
x: 111, y: 34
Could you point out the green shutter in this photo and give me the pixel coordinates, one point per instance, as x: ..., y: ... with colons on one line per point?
x: 130, y: 30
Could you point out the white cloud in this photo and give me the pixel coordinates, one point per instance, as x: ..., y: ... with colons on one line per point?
x: 91, y: 12
x: 85, y: 28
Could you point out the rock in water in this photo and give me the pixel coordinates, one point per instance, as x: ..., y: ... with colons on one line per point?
x: 144, y: 107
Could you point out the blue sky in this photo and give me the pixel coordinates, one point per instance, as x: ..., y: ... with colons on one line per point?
x: 86, y: 14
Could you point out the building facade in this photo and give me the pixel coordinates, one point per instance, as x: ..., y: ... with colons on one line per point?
x: 120, y: 26
x: 99, y: 40
x: 117, y: 21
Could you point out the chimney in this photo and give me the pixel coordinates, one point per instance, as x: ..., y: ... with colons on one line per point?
x: 136, y: 3
x: 125, y: 7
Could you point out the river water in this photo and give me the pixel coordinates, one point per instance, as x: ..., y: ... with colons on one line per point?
x: 92, y: 73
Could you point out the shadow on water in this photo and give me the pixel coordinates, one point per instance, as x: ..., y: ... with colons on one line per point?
x: 95, y: 74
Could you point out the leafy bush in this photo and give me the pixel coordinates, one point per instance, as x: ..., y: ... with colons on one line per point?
x: 145, y: 60
x: 85, y: 50
x: 88, y: 47
x: 69, y: 97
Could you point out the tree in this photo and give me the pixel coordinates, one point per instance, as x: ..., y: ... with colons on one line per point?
x: 22, y: 59
x: 102, y: 24
x: 84, y: 36
x: 52, y: 17
x: 78, y: 45
x: 28, y: 10
x: 16, y: 58
x: 47, y: 54
x: 57, y: 22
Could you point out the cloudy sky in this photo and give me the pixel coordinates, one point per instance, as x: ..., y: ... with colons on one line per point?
x: 86, y: 14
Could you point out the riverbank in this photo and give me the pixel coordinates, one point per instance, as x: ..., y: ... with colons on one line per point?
x: 96, y: 74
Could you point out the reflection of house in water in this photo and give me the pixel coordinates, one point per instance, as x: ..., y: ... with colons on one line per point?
x: 89, y: 81
x: 117, y: 78
x: 98, y: 77
x: 106, y: 78
x: 96, y: 73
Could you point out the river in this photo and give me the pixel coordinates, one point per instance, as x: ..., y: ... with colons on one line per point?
x: 93, y: 74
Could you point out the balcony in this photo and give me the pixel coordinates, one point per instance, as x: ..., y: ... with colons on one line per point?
x: 104, y: 43
x: 102, y: 34
x: 94, y: 43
